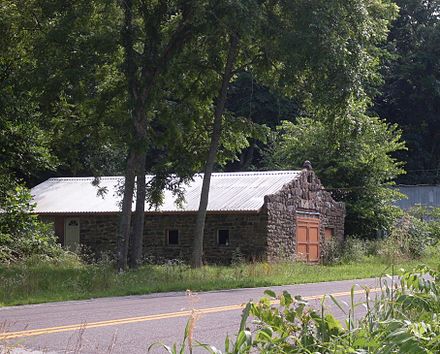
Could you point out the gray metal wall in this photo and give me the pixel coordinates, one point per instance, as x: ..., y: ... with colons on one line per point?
x: 428, y: 195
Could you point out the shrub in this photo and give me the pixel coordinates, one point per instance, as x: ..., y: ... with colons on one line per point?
x: 353, y: 250
x: 331, y: 252
x: 22, y: 234
x: 237, y: 257
x: 408, y: 239
x: 430, y: 217
x: 403, y: 318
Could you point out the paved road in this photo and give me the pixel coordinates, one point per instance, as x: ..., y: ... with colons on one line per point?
x: 130, y: 324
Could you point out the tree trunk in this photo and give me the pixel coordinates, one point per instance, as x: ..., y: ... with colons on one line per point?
x: 197, y: 253
x: 139, y: 215
x: 123, y: 235
x: 139, y: 89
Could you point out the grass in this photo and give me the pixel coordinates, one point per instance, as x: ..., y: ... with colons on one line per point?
x: 37, y: 282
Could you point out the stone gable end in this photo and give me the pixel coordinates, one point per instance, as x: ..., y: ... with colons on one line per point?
x: 306, y: 197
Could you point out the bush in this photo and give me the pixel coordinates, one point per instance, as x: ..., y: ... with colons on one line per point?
x: 331, y: 252
x: 403, y: 318
x: 408, y: 239
x: 353, y: 249
x: 431, y: 220
x: 22, y: 234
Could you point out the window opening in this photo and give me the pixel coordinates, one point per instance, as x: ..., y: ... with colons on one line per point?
x: 329, y: 233
x: 173, y: 237
x: 223, y: 237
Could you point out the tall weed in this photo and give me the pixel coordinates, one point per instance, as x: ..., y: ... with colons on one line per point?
x: 404, y: 318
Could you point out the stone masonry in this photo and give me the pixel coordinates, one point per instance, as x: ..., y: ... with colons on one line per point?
x: 269, y: 234
x: 304, y: 196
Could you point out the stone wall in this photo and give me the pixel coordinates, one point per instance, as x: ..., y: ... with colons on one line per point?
x: 266, y: 235
x: 246, y: 232
x: 98, y: 232
x: 303, y: 195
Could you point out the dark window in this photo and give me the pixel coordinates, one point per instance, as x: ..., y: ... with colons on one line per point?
x: 173, y: 237
x: 223, y: 237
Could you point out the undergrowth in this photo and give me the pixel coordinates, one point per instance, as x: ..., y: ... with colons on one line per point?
x: 42, y: 280
x: 403, y: 318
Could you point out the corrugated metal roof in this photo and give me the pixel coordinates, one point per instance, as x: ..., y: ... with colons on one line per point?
x: 426, y: 195
x: 239, y: 191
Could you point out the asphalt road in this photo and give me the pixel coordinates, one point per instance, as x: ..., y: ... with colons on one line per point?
x: 130, y: 324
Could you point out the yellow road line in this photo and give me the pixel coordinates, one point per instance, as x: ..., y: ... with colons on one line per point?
x: 121, y: 321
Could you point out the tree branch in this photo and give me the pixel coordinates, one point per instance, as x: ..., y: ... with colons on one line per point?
x: 175, y: 43
x: 130, y: 54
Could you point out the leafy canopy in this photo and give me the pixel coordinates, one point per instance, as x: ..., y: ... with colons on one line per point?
x: 411, y: 93
x: 353, y: 156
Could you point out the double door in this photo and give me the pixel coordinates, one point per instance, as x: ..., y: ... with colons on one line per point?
x: 307, y: 239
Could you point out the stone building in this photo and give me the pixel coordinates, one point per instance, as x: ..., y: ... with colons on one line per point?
x: 269, y: 216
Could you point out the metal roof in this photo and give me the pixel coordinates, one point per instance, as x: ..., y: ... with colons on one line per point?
x: 426, y: 195
x: 235, y: 191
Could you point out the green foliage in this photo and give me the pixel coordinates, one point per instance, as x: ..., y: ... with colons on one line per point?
x: 354, y: 249
x: 39, y: 279
x: 58, y: 65
x: 402, y: 319
x: 409, y: 238
x: 411, y: 93
x: 22, y: 235
x: 430, y: 218
x: 76, y: 75
x: 412, y: 235
x: 353, y: 157
x: 336, y: 57
x: 312, y: 56
x: 68, y: 63
x: 330, y: 252
x: 24, y: 144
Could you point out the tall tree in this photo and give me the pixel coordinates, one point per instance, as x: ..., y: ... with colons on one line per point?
x: 212, y: 154
x: 353, y: 156
x: 170, y: 90
x: 322, y: 52
x: 235, y: 25
x: 153, y: 33
x: 411, y: 92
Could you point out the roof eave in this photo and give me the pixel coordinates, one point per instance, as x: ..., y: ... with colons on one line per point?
x: 165, y: 212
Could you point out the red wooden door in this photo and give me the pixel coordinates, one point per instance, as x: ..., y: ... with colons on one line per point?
x: 307, y: 239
